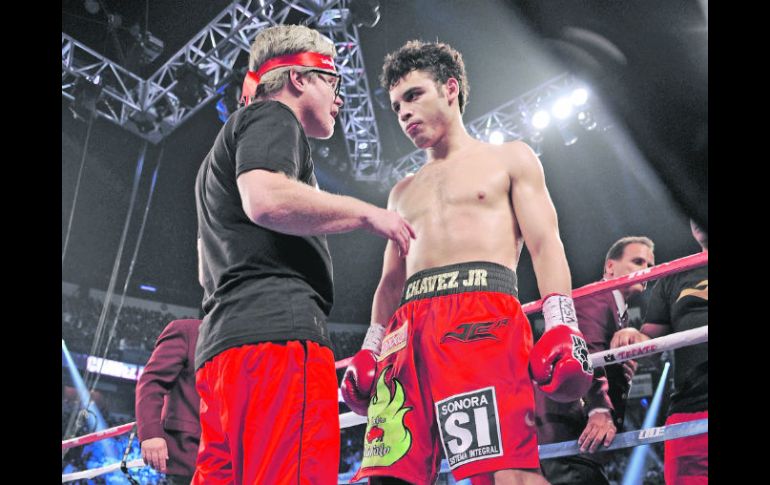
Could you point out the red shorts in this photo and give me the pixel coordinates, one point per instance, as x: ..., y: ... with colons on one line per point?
x: 269, y: 414
x: 686, y: 460
x: 453, y: 376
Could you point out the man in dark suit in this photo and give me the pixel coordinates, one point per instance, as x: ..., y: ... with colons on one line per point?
x: 678, y: 303
x: 167, y: 404
x: 595, y: 419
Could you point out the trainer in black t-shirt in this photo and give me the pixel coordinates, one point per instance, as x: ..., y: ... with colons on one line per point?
x: 681, y: 302
x: 259, y: 285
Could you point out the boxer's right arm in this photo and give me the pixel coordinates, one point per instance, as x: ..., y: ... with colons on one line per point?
x: 358, y: 381
x: 273, y: 200
x: 391, y: 286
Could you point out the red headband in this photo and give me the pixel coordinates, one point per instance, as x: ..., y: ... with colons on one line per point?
x: 307, y: 59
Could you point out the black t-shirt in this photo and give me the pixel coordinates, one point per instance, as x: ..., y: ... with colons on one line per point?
x: 681, y: 302
x: 259, y: 285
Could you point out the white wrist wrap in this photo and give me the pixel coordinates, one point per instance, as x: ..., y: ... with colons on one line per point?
x: 559, y: 310
x: 373, y: 339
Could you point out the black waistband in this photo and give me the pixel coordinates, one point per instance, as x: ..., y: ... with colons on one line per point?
x: 460, y: 278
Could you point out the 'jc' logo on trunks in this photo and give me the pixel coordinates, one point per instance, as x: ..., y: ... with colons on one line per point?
x: 469, y: 332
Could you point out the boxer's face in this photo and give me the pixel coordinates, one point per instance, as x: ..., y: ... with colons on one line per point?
x: 636, y: 257
x: 422, y: 108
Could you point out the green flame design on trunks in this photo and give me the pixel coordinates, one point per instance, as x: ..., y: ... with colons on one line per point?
x: 387, y: 438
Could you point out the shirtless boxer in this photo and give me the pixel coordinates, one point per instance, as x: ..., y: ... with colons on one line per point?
x: 445, y: 359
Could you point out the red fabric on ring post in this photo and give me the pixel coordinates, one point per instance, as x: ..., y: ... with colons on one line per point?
x: 306, y: 59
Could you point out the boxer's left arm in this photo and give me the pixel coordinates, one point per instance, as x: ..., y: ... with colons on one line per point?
x: 559, y: 362
x: 358, y: 381
x: 537, y: 219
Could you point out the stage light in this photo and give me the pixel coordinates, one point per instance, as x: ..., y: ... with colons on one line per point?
x: 365, y: 13
x: 145, y: 121
x: 567, y: 135
x: 228, y: 103
x: 496, y: 137
x: 586, y: 120
x: 541, y: 119
x: 190, y: 85
x: 562, y: 108
x: 87, y: 94
x: 579, y: 97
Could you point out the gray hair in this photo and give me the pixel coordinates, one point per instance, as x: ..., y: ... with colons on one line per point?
x: 281, y: 40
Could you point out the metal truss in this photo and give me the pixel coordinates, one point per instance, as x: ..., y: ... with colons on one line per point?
x: 512, y: 119
x: 357, y: 114
x: 121, y: 94
x: 155, y: 107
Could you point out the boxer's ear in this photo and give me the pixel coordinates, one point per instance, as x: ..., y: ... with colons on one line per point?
x: 452, y: 89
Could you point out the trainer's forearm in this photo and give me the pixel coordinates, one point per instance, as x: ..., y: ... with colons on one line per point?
x: 295, y: 208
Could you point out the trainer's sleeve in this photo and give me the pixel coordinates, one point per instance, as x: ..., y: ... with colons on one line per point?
x: 269, y: 138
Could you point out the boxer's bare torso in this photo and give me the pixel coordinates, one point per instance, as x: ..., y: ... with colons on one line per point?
x: 461, y: 209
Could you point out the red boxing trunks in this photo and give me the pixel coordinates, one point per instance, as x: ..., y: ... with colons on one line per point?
x: 453, y: 374
x: 686, y: 460
x: 269, y: 414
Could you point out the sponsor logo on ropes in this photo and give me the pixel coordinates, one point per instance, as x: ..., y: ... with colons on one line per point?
x: 469, y: 332
x: 645, y: 349
x: 645, y: 434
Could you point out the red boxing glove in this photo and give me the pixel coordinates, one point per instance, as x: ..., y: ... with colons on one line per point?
x: 358, y: 381
x: 559, y: 364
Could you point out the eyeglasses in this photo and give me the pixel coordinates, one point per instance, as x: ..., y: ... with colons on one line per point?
x: 337, y: 76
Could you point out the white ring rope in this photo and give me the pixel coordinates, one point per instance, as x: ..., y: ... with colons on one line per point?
x: 95, y: 472
x: 649, y: 347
